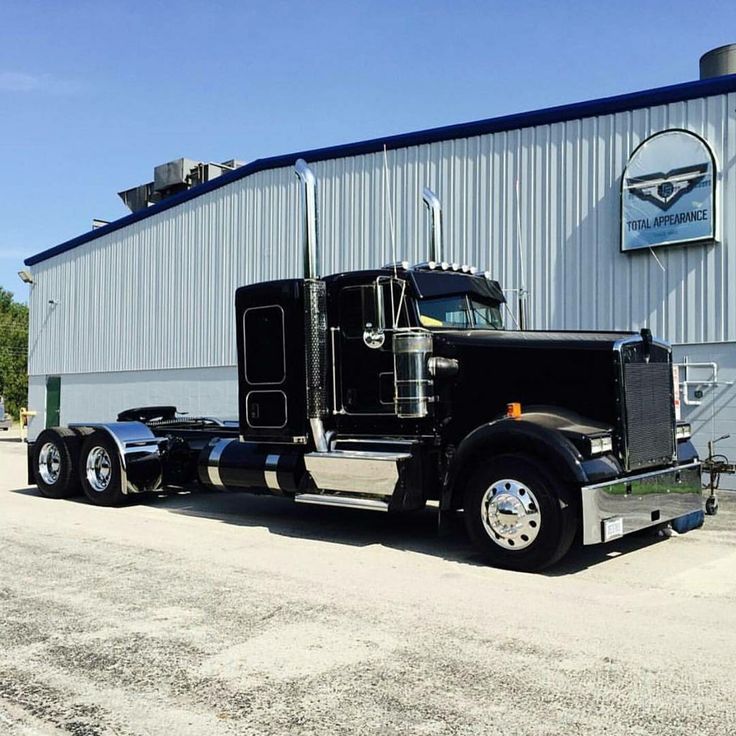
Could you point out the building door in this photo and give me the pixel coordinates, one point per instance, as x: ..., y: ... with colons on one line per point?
x: 53, y: 401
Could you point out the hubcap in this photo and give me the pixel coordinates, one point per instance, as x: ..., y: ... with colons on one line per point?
x: 99, y: 469
x: 510, y: 514
x: 49, y: 463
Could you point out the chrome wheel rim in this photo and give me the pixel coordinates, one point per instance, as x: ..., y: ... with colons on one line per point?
x: 99, y: 469
x: 49, y: 463
x: 510, y: 514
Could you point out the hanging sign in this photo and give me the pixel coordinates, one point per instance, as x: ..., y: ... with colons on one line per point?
x: 667, y: 192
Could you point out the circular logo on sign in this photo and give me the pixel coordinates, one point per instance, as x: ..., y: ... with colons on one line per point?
x: 665, y: 189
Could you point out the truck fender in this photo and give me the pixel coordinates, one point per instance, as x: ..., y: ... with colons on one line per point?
x: 511, y: 435
x: 139, y: 451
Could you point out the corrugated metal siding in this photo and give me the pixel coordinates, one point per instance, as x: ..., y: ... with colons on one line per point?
x: 159, y: 293
x: 716, y: 415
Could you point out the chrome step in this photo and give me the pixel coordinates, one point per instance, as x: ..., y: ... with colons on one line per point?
x: 357, y: 471
x: 346, y: 501
x: 352, y: 444
x: 360, y: 455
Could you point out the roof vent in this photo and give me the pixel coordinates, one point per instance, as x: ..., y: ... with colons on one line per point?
x: 718, y: 62
x: 174, y: 177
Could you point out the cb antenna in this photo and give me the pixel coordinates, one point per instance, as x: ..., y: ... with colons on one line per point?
x: 522, y: 280
x: 389, y: 209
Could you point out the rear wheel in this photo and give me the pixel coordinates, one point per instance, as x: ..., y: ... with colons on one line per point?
x: 517, y: 515
x: 54, y: 462
x: 100, y: 470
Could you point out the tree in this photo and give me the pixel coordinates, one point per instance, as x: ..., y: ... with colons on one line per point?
x: 13, y: 352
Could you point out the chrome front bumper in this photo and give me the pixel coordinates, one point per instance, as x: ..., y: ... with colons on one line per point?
x: 625, y: 505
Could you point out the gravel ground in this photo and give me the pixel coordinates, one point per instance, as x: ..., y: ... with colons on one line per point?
x: 231, y: 614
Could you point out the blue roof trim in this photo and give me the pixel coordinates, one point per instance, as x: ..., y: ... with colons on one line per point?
x: 603, y: 106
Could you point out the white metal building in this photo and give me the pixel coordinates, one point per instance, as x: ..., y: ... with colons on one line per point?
x: 141, y: 311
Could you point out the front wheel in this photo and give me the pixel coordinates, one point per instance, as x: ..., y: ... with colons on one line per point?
x: 517, y: 515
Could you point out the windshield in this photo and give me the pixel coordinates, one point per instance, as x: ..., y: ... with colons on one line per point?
x: 462, y: 312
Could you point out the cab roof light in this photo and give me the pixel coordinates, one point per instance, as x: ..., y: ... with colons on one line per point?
x: 473, y: 270
x: 444, y: 265
x: 513, y: 410
x: 404, y: 265
x: 455, y: 266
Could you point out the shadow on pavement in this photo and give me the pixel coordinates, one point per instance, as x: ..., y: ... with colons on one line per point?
x: 582, y: 558
x: 414, y: 532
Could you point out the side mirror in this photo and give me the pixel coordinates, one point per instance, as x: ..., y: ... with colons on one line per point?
x: 374, y: 335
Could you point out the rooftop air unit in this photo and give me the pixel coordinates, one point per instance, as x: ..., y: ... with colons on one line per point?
x: 172, y: 178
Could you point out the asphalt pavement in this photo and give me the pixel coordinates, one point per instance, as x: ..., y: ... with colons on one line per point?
x: 208, y: 614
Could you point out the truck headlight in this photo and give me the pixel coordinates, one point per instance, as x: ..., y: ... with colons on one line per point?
x: 601, y: 445
x: 683, y: 431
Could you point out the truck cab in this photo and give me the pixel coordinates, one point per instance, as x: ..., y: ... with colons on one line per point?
x: 391, y: 388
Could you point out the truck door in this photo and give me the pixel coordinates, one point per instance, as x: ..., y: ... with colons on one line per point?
x: 365, y: 358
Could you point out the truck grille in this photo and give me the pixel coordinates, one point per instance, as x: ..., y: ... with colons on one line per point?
x: 649, y: 430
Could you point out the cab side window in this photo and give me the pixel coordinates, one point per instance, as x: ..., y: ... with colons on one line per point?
x: 265, y: 345
x: 357, y: 308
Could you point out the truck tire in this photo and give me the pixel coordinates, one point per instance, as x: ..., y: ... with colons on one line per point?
x: 100, y: 470
x: 517, y: 515
x: 54, y: 462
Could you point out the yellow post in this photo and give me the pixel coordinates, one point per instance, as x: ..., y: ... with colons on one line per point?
x: 25, y: 416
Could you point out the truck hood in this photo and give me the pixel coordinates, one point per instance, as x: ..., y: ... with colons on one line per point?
x: 533, y: 339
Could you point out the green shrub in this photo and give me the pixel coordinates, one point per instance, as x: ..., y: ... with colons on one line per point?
x: 13, y: 353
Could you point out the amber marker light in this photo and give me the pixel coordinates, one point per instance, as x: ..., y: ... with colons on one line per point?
x: 513, y: 410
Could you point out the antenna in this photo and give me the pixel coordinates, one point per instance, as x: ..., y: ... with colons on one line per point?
x: 659, y: 263
x: 511, y: 314
x: 522, y: 289
x: 664, y: 287
x: 387, y: 202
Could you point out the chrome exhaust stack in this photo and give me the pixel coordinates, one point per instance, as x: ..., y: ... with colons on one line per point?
x: 435, y: 209
x: 309, y: 238
x: 315, y: 311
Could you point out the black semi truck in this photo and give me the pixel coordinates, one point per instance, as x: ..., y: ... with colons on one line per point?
x: 390, y: 388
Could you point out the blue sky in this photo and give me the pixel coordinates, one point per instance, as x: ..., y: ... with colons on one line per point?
x: 94, y: 94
